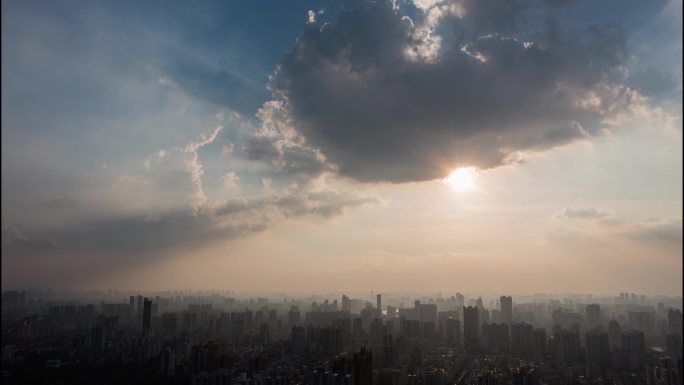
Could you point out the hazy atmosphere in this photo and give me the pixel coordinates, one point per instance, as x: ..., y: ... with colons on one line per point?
x: 322, y: 146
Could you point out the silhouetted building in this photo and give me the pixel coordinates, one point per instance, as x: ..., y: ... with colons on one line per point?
x: 674, y: 320
x: 331, y: 340
x: 167, y: 363
x: 506, y: 303
x: 539, y: 344
x: 452, y: 332
x: 298, y: 339
x: 471, y: 327
x: 147, y: 317
x: 521, y: 338
x: 566, y: 342
x: 597, y: 348
x: 495, y: 336
x: 673, y: 344
x: 614, y: 334
x: 593, y: 314
x: 634, y: 344
x: 362, y: 367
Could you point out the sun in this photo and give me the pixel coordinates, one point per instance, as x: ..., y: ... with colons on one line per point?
x: 461, y: 179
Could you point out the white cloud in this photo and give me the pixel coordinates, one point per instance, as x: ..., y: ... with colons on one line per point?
x: 230, y: 180
x: 228, y: 149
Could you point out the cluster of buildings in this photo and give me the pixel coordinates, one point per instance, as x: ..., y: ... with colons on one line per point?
x: 220, y: 339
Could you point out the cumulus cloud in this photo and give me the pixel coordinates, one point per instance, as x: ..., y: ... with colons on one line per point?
x: 230, y: 180
x: 173, y: 167
x: 279, y: 144
x: 381, y: 96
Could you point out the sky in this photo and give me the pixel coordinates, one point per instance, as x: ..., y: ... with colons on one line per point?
x: 307, y: 146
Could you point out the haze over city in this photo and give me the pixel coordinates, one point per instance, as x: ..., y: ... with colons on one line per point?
x: 341, y: 192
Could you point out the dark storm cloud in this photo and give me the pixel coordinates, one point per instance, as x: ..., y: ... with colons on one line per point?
x: 384, y: 100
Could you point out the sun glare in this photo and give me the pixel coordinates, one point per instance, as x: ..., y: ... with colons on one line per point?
x: 461, y: 179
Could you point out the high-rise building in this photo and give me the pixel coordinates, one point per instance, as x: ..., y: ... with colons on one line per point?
x: 362, y: 367
x: 379, y: 304
x: 521, y: 338
x: 673, y: 344
x: 506, y: 309
x: 427, y: 313
x: 460, y: 300
x: 346, y: 303
x: 131, y: 306
x: 614, y: 334
x: 633, y: 342
x: 167, y: 365
x: 566, y: 342
x: 147, y: 317
x: 597, y: 348
x: 376, y: 329
x: 471, y: 327
x: 539, y: 344
x: 264, y: 333
x: 593, y: 314
x: 453, y: 332
x: 294, y: 317
x: 169, y: 323
x: 674, y: 320
x: 298, y: 339
x: 140, y: 304
x: 495, y: 336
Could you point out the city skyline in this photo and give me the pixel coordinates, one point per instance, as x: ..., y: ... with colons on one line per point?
x: 418, y: 146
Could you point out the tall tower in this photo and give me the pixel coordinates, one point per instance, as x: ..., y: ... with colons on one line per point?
x: 593, y: 314
x: 379, y: 304
x: 506, y: 309
x: 471, y: 326
x: 147, y: 317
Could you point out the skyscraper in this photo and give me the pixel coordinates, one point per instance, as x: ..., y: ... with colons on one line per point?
x: 614, y: 334
x: 471, y: 327
x: 460, y: 300
x: 593, y: 314
x: 362, y: 367
x: 379, y: 304
x: 346, y: 303
x: 140, y: 304
x: 539, y: 344
x: 147, y: 317
x: 597, y: 348
x: 453, y: 332
x: 567, y: 344
x: 131, y: 306
x: 521, y: 338
x: 673, y: 345
x: 506, y: 309
x: 634, y: 344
